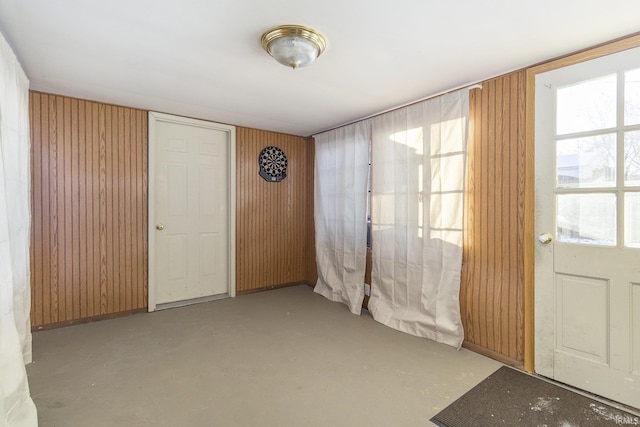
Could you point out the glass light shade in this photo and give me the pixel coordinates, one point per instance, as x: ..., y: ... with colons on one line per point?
x: 293, y: 45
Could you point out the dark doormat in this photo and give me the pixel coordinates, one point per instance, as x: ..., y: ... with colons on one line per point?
x: 510, y: 398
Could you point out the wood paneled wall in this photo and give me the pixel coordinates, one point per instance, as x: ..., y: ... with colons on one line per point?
x: 89, y: 246
x: 274, y: 221
x: 89, y: 209
x: 492, y: 288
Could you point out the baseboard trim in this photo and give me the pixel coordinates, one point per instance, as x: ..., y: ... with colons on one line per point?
x: 91, y: 319
x: 493, y: 355
x: 186, y: 302
x: 272, y: 287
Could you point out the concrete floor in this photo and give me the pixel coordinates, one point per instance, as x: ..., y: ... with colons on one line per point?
x: 281, y: 358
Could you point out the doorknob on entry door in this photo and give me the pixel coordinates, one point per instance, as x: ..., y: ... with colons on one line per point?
x: 545, y: 238
x: 160, y: 227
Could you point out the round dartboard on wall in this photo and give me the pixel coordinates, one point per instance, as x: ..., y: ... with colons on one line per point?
x: 273, y: 164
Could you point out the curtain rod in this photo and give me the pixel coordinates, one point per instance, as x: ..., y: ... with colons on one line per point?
x: 473, y: 86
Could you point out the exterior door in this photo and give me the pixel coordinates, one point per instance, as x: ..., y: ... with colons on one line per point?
x: 191, y: 209
x: 587, y: 284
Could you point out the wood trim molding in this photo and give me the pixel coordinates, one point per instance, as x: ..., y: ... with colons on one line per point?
x: 628, y: 42
x: 529, y: 224
x: 492, y: 354
x: 272, y: 287
x: 56, y: 325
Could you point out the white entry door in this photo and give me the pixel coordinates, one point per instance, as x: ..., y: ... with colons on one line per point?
x: 587, y: 273
x: 191, y: 213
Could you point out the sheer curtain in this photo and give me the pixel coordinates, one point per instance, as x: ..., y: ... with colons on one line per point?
x: 16, y: 407
x: 341, y: 175
x: 418, y: 163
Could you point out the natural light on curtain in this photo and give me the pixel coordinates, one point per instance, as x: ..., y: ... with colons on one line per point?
x: 418, y: 159
x: 341, y: 175
x: 16, y: 407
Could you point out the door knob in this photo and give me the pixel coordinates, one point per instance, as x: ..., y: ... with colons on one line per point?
x: 160, y: 227
x: 545, y: 238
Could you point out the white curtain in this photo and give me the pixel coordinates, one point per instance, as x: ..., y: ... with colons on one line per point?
x: 341, y: 175
x: 418, y: 164
x: 16, y: 407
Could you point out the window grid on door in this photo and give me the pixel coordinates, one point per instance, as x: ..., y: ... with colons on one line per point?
x: 598, y: 161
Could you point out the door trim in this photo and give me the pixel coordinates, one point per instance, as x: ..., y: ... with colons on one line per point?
x: 529, y: 201
x: 155, y: 118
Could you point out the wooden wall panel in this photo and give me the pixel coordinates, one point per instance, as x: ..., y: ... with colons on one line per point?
x: 89, y: 209
x: 274, y: 240
x: 492, y: 288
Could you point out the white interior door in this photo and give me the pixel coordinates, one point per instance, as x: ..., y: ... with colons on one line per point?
x: 587, y: 273
x: 190, y: 216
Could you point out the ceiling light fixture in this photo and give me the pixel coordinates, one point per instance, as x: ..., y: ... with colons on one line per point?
x: 293, y: 45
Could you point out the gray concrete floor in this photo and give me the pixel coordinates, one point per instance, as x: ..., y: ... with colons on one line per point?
x: 286, y: 357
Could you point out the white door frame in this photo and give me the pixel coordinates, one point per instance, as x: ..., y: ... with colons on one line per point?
x: 155, y: 118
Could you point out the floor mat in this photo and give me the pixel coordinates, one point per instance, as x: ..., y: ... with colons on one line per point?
x: 512, y: 398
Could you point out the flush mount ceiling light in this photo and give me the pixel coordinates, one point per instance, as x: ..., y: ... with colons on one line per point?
x: 293, y: 45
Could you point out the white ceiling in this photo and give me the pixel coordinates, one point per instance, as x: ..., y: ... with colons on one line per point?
x: 203, y: 58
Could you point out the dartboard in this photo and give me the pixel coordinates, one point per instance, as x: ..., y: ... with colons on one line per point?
x: 273, y: 164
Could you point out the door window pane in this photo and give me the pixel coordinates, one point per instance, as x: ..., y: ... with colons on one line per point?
x: 632, y: 97
x: 587, y: 218
x: 586, y: 162
x: 632, y: 220
x: 585, y: 106
x: 632, y: 158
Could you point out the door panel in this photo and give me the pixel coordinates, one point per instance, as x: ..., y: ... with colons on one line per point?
x: 587, y: 182
x: 586, y: 338
x: 191, y: 210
